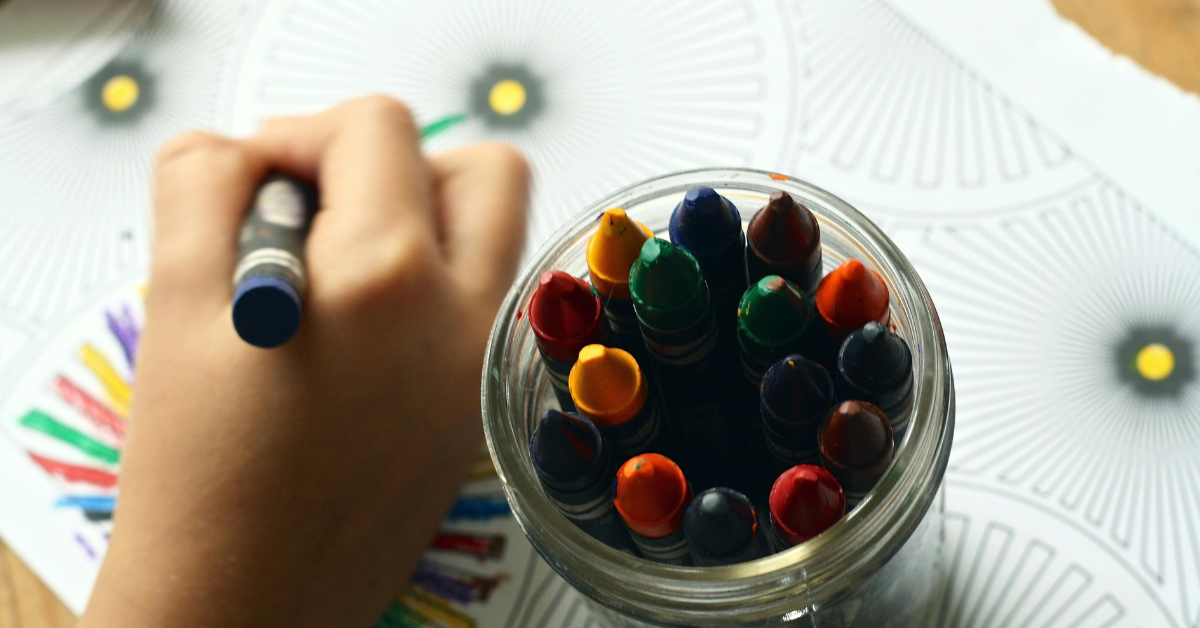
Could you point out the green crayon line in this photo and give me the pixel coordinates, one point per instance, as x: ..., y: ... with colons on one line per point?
x: 42, y: 422
x: 441, y: 124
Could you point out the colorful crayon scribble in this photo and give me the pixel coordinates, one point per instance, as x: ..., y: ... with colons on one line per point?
x: 479, y: 508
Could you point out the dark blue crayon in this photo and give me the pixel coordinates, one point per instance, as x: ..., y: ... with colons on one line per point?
x: 270, y: 277
x: 709, y: 227
x: 875, y: 365
x: 576, y: 469
x: 795, y: 395
x: 695, y: 372
x: 722, y: 528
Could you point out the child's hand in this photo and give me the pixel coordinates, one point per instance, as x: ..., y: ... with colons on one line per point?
x: 299, y: 486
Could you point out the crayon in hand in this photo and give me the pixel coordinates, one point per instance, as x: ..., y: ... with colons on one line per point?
x: 609, y: 388
x: 610, y: 254
x: 805, y: 501
x: 652, y: 496
x: 576, y: 468
x: 848, y: 298
x: 671, y: 300
x: 875, y: 365
x: 722, y: 528
x: 855, y: 441
x: 784, y: 239
x: 565, y: 316
x: 795, y: 396
x: 709, y: 227
x: 270, y: 277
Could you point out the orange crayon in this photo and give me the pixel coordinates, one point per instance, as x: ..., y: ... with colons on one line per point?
x: 652, y: 497
x: 608, y: 387
x: 848, y: 298
x: 610, y: 254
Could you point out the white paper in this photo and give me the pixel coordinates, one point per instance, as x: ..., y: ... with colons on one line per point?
x: 1044, y: 189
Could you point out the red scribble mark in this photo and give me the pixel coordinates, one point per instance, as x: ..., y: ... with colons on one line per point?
x: 778, y: 177
x: 518, y: 314
x: 96, y: 412
x: 481, y: 547
x: 75, y: 473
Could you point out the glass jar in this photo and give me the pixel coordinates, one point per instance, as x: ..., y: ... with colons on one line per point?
x: 879, y: 566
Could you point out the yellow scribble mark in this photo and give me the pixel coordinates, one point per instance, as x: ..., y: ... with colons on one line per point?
x: 116, y: 388
x: 1155, y: 362
x: 507, y: 97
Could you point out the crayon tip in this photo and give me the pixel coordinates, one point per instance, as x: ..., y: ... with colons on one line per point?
x: 612, y: 250
x: 705, y: 222
x: 773, y: 312
x: 720, y: 522
x: 666, y: 280
x: 796, y: 392
x: 875, y: 358
x: 852, y: 296
x: 566, y: 450
x: 856, y: 436
x: 652, y: 494
x: 784, y: 232
x: 266, y: 311
x: 805, y: 501
x: 565, y: 315
x: 607, y: 386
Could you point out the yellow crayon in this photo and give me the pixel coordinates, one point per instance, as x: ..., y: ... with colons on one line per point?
x: 434, y: 609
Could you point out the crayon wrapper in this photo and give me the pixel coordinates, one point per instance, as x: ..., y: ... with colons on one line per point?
x: 272, y: 238
x: 671, y: 549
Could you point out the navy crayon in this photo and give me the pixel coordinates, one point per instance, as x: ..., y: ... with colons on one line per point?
x: 270, y: 277
x: 709, y: 227
x: 875, y: 365
x: 722, y: 528
x: 576, y: 469
x: 795, y: 395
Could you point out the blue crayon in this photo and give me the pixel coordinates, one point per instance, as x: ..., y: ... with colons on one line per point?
x: 875, y: 365
x: 576, y: 468
x: 709, y: 227
x: 723, y: 528
x: 476, y: 508
x: 270, y: 277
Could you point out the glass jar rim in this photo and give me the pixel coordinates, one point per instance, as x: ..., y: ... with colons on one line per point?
x: 775, y: 586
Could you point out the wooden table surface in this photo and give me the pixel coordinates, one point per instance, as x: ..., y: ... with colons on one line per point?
x: 1161, y: 35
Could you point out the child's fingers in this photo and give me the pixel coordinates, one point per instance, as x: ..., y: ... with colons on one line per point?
x: 203, y: 185
x: 364, y: 155
x: 483, y: 191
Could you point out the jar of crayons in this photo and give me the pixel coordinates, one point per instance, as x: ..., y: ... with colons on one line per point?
x: 743, y: 421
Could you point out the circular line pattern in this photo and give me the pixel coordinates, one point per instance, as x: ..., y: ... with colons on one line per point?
x: 1043, y: 314
x: 614, y: 92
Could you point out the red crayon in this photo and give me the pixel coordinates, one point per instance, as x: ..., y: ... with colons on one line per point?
x: 566, y: 316
x: 848, y: 298
x: 805, y: 500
